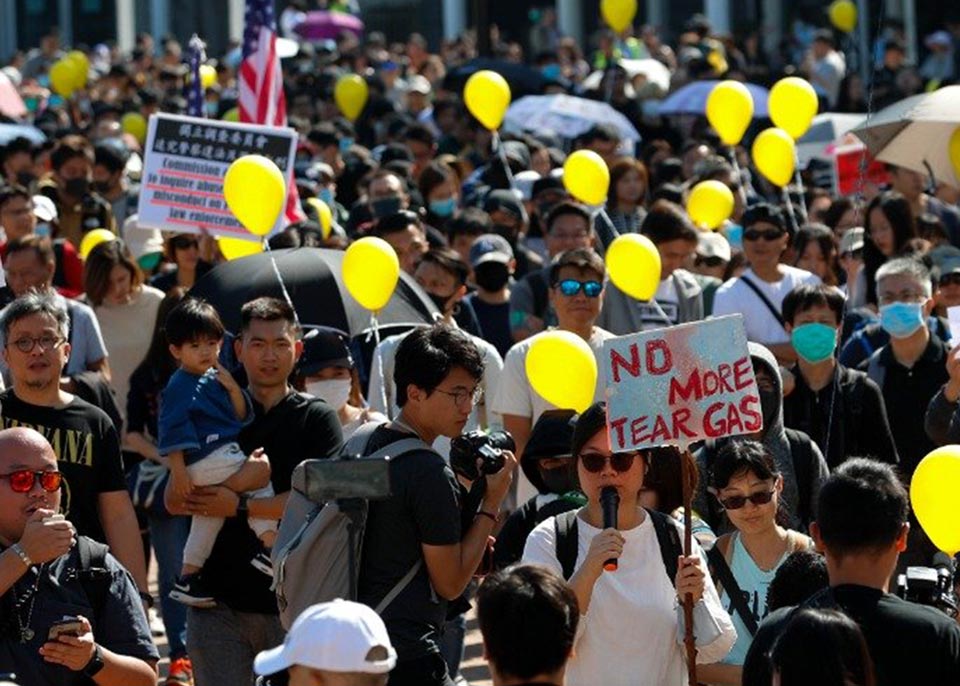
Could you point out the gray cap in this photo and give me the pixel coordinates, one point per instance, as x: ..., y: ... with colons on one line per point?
x: 712, y: 244
x: 490, y: 247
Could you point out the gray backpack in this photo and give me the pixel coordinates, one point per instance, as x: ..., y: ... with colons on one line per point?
x: 311, y: 556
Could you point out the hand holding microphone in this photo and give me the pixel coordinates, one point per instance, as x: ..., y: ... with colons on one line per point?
x: 610, y: 503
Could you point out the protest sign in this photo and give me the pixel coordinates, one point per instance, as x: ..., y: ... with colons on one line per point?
x: 680, y: 384
x: 185, y: 161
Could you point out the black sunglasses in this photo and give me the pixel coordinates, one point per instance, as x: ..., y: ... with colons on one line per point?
x: 594, y: 462
x: 736, y: 502
x: 765, y: 234
x: 184, y: 243
x: 570, y: 287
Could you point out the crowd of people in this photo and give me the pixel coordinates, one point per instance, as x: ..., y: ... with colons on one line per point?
x: 135, y: 426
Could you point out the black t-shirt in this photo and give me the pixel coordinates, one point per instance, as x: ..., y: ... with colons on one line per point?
x: 298, y: 428
x: 909, y: 643
x: 87, y: 449
x: 494, y: 323
x: 424, y: 508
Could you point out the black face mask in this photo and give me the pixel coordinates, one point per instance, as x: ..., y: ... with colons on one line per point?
x: 558, y: 480
x: 770, y: 406
x: 385, y: 207
x: 25, y: 179
x: 492, y: 276
x: 100, y: 186
x: 508, y: 232
x: 76, y: 187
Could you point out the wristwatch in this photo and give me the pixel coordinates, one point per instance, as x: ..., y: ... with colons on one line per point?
x: 242, y: 503
x: 95, y: 664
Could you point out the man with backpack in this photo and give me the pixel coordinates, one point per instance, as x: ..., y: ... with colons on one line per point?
x: 839, y: 408
x: 69, y: 612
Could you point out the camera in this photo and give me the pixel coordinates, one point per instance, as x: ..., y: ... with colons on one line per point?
x: 933, y: 586
x: 488, y: 447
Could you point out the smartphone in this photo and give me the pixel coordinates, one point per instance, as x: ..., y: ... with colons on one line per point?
x: 361, y: 477
x: 67, y: 626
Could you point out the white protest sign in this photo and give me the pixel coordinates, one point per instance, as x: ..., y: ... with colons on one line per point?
x: 185, y: 161
x: 680, y: 384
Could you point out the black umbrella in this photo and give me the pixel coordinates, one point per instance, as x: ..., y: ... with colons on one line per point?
x: 314, y: 279
x: 523, y: 80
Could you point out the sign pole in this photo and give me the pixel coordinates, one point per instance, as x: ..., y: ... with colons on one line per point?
x: 688, y: 639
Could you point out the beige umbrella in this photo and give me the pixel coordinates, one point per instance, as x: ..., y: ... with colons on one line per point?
x: 915, y: 133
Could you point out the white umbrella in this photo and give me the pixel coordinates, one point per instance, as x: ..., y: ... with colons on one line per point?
x: 827, y: 128
x: 565, y: 115
x: 915, y: 133
x: 655, y: 72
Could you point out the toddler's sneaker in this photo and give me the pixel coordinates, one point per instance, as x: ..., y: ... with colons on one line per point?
x: 189, y: 590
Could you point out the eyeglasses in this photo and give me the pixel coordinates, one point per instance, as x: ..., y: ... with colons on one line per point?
x: 736, y: 502
x: 765, y: 234
x: 462, y: 396
x: 27, y: 344
x: 184, y: 243
x: 619, y: 462
x: 22, y: 480
x: 570, y: 287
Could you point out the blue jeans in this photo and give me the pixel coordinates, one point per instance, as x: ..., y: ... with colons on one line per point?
x: 169, y: 535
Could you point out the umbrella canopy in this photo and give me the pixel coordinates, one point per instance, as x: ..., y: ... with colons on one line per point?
x: 692, y: 99
x: 565, y: 115
x: 523, y: 80
x: 10, y: 131
x: 914, y: 133
x: 827, y: 128
x: 656, y: 72
x: 322, y: 25
x: 314, y: 279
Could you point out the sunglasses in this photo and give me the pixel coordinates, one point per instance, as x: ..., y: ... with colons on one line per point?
x: 184, y: 243
x: 736, y: 502
x: 765, y: 234
x: 594, y: 462
x: 570, y: 287
x: 22, y: 480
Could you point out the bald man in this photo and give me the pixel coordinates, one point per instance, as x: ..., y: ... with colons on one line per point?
x: 69, y: 612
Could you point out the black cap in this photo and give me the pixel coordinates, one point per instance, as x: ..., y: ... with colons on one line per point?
x: 551, y: 436
x: 590, y: 421
x: 547, y: 183
x: 326, y: 348
x: 763, y: 212
x: 506, y: 201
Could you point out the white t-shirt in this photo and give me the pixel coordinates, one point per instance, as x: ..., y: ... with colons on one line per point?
x: 762, y: 327
x: 629, y: 634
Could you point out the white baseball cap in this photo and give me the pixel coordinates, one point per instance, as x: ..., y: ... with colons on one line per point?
x: 44, y: 209
x: 339, y: 636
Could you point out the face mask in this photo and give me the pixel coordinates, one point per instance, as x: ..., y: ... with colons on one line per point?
x: 508, y: 232
x: 440, y: 301
x: 345, y: 145
x: 326, y: 195
x: 769, y: 406
x: 212, y: 108
x: 492, y: 276
x: 444, y: 208
x: 551, y: 72
x: 335, y: 392
x: 76, y: 188
x: 901, y: 320
x: 26, y: 179
x: 42, y: 230
x: 814, y: 342
x: 735, y: 236
x: 384, y: 207
x: 100, y: 186
x: 558, y: 480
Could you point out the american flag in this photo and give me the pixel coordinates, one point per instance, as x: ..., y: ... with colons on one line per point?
x: 195, y: 94
x: 262, y: 100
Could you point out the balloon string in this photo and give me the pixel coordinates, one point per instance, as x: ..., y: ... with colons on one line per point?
x: 283, y: 286
x: 378, y: 351
x: 502, y: 154
x: 663, y: 315
x: 741, y: 182
x: 789, y: 203
x: 610, y: 232
x: 799, y: 179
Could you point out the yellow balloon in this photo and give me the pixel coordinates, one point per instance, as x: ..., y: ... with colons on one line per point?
x: 370, y: 272
x: 933, y: 496
x: 954, y: 150
x: 233, y: 114
x: 255, y: 192
x: 729, y: 111
x: 587, y: 177
x: 793, y: 104
x: 234, y: 248
x: 775, y: 156
x: 633, y: 263
x: 351, y: 93
x: 208, y: 76
x: 91, y: 239
x: 618, y: 13
x: 562, y: 369
x: 324, y: 215
x: 134, y: 124
x: 709, y: 204
x: 843, y: 15
x: 487, y: 95
x: 62, y: 78
x: 81, y: 67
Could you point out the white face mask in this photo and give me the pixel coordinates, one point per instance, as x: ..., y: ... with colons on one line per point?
x: 335, y: 392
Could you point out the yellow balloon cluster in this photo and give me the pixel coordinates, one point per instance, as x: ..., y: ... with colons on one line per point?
x: 933, y: 496
x: 729, y: 111
x: 775, y: 156
x: 370, y: 272
x: 843, y: 15
x: 793, y: 104
x: 235, y: 248
x: 487, y: 95
x: 134, y: 124
x: 618, y: 13
x: 69, y: 73
x: 255, y: 192
x: 633, y: 264
x: 351, y: 93
x: 91, y: 239
x: 709, y: 204
x: 586, y: 177
x: 562, y: 369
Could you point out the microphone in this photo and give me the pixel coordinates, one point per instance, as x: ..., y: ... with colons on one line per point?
x: 610, y: 503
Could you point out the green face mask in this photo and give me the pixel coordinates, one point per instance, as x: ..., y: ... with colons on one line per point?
x: 814, y: 342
